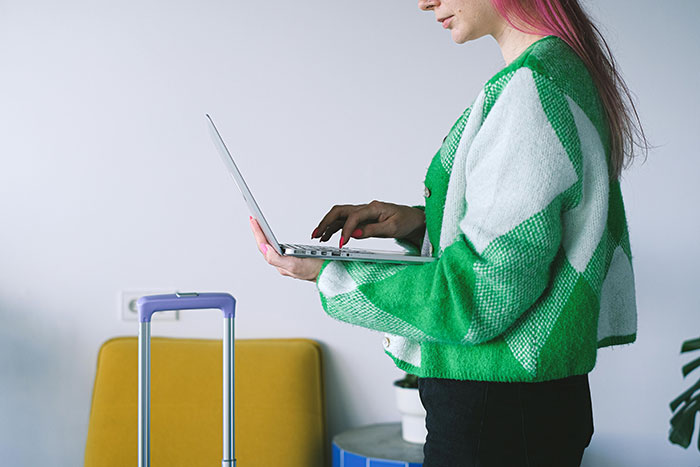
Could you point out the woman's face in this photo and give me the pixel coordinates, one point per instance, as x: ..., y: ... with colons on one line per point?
x: 466, y: 19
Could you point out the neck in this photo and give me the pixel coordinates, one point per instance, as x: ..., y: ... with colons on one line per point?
x: 513, y: 42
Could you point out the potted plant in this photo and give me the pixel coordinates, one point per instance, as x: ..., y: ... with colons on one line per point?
x: 687, y: 404
x: 412, y: 412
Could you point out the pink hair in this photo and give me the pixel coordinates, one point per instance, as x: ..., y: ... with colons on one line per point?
x: 543, y: 17
x: 567, y: 20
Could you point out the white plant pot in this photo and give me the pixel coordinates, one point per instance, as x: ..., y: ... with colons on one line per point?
x: 412, y: 415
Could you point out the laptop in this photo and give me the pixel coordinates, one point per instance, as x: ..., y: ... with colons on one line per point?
x: 303, y: 251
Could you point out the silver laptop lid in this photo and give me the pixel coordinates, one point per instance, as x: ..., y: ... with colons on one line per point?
x: 227, y: 158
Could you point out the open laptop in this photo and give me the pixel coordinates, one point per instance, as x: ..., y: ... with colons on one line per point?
x: 303, y: 251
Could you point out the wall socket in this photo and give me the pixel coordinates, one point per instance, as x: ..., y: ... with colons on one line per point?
x: 129, y: 311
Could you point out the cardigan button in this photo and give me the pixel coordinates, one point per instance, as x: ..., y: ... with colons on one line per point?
x: 426, y: 192
x: 387, y: 342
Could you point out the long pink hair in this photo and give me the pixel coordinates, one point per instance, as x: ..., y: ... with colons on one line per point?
x: 567, y: 20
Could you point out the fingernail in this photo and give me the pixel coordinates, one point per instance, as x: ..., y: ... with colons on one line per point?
x: 315, y: 233
x: 342, y: 240
x: 357, y: 233
x: 263, y: 247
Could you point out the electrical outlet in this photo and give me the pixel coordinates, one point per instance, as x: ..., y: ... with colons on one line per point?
x: 130, y: 312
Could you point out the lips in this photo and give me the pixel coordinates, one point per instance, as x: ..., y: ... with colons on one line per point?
x: 446, y: 21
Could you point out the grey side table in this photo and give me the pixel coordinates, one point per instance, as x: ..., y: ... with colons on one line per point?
x: 375, y: 446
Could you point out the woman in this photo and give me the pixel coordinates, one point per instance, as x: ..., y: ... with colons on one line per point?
x: 524, y: 211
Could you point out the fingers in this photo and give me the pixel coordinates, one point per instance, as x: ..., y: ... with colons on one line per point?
x: 331, y: 229
x: 298, y: 268
x: 271, y: 256
x: 257, y: 232
x: 375, y: 219
x: 329, y: 224
x: 365, y: 218
x: 288, y: 263
x: 376, y: 229
x: 348, y: 218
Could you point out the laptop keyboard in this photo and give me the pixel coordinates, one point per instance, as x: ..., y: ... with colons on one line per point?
x: 320, y: 249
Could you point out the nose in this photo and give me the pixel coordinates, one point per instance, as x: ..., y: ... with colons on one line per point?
x: 427, y: 5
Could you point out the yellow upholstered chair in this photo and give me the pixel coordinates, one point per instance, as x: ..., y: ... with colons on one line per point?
x: 279, y: 416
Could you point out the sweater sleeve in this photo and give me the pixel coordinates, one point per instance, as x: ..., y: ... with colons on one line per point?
x: 498, y: 263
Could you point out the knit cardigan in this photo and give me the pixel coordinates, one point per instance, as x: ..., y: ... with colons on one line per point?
x: 533, y: 271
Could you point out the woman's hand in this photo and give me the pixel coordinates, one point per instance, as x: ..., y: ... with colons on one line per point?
x: 299, y: 268
x: 376, y: 219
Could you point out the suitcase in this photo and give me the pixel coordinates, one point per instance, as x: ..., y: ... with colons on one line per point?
x: 184, y: 301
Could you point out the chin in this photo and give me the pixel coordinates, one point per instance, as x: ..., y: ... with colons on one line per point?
x: 460, y: 38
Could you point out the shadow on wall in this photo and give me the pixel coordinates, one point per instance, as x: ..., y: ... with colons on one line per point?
x: 338, y: 389
x: 37, y: 390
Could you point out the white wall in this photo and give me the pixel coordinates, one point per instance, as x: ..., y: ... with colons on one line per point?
x: 108, y: 182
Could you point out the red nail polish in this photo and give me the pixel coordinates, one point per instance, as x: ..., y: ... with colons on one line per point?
x: 357, y: 233
x: 342, y: 241
x: 313, y: 235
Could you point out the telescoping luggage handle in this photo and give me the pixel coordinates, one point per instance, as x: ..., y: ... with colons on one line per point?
x: 184, y: 301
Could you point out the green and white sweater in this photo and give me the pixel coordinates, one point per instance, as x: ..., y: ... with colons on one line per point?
x: 534, y: 268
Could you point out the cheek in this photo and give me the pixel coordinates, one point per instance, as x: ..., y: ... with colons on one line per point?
x: 472, y: 25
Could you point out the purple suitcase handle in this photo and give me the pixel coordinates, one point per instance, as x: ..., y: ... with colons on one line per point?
x: 186, y: 301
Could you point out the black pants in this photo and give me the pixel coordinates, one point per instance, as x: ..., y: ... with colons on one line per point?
x: 486, y: 424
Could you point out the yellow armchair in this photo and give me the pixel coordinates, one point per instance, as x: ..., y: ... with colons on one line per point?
x: 279, y: 413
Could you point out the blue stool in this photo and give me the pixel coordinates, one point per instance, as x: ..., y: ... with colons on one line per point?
x: 375, y: 446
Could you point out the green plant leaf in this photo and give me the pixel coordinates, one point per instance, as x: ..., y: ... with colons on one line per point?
x: 692, y: 404
x: 688, y: 367
x: 683, y: 424
x: 687, y: 405
x: 409, y: 381
x: 685, y: 396
x: 689, y: 345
